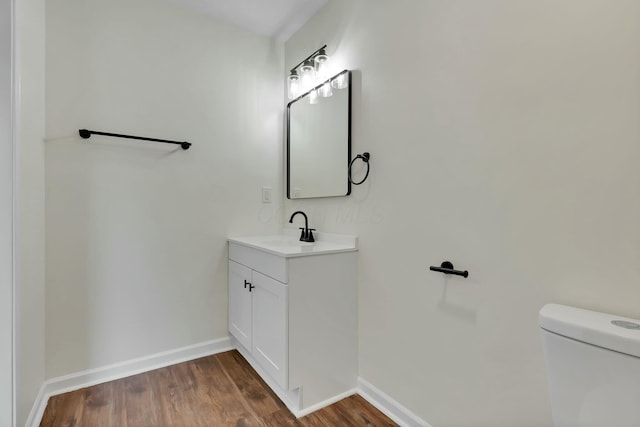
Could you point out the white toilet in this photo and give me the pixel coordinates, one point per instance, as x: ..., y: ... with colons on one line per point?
x: 593, y: 367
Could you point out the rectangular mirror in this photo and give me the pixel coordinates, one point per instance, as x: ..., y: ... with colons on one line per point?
x: 319, y: 140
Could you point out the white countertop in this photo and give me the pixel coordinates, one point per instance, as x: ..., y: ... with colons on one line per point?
x: 288, y: 244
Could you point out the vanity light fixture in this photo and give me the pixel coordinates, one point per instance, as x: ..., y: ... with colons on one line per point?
x: 321, y: 62
x: 308, y: 74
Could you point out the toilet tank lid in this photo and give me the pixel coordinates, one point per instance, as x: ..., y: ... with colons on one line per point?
x: 592, y: 327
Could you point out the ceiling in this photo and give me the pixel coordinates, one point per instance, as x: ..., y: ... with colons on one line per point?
x: 273, y: 18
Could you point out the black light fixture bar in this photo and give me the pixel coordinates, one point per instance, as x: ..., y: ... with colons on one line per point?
x: 308, y: 58
x: 86, y: 134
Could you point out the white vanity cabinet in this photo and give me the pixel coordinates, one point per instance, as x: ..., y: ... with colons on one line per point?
x: 293, y: 315
x: 258, y: 318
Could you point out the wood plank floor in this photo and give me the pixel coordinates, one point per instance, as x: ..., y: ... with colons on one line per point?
x: 219, y: 390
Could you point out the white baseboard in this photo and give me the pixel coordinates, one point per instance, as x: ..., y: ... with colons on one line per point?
x: 391, y: 408
x: 37, y: 410
x: 325, y: 403
x: 116, y: 371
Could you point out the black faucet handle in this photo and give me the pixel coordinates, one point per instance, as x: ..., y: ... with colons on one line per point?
x: 303, y: 234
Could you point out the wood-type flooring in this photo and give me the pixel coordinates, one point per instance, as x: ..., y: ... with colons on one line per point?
x: 218, y: 390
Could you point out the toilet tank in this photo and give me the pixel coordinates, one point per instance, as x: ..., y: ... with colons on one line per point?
x: 593, y: 367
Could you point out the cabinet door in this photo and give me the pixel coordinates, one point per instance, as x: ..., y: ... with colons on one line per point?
x: 240, y: 303
x: 270, y: 320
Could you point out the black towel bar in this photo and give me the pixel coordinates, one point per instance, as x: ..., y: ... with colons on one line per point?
x: 86, y: 134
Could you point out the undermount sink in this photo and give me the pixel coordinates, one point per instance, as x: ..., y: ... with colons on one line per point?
x: 288, y: 244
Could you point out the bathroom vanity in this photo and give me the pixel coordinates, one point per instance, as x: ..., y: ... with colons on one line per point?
x: 293, y: 314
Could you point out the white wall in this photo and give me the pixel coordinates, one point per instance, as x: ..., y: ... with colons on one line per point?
x: 504, y: 138
x: 136, y: 231
x: 30, y: 57
x: 6, y: 216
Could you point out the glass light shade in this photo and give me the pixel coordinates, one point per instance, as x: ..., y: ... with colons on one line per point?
x: 307, y: 75
x: 321, y: 62
x: 340, y: 82
x: 294, y: 85
x: 325, y: 90
x: 313, y: 97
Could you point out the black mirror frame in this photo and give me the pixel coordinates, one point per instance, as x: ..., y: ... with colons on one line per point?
x: 347, y: 160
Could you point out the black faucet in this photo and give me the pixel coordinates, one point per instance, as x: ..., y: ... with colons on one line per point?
x: 307, y: 233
